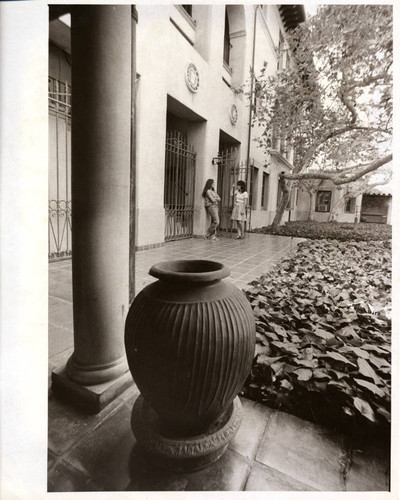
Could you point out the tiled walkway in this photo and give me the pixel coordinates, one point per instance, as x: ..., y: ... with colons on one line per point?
x: 272, y: 451
x: 247, y: 259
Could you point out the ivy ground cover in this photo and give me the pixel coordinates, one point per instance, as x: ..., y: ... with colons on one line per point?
x: 342, y: 231
x: 323, y: 348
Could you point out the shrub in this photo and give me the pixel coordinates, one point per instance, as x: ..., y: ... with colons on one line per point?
x: 323, y: 348
x: 342, y: 231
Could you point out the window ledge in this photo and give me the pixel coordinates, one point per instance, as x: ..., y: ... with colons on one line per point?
x: 183, y: 23
x: 227, y: 74
x: 188, y: 18
x: 275, y: 152
x: 228, y: 68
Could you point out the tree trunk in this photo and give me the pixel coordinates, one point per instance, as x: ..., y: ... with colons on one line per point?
x: 310, y: 207
x: 286, y: 188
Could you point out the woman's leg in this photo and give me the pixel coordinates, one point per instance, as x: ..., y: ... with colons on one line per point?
x: 213, y: 211
x: 239, y: 228
x: 208, y: 219
x: 216, y: 214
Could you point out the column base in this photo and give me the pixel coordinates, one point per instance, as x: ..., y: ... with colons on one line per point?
x: 183, y: 454
x: 92, y: 398
x: 98, y: 374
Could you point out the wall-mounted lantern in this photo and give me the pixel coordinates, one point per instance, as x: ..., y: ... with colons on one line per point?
x: 217, y: 160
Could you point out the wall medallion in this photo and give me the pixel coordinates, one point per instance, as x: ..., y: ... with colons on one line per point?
x: 234, y: 114
x: 192, y: 77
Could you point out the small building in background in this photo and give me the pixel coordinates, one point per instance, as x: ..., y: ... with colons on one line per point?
x: 376, y: 205
x: 324, y: 201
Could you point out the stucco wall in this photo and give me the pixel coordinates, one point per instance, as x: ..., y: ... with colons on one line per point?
x: 268, y: 26
x: 337, y: 206
x: 161, y: 66
x: 167, y: 40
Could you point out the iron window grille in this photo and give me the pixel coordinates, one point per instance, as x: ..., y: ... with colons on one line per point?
x: 323, y: 201
x: 350, y: 205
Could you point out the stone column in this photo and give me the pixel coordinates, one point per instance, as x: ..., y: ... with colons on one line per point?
x: 102, y: 89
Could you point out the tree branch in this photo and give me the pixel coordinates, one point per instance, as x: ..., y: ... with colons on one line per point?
x: 367, y: 81
x: 349, y: 105
x: 369, y: 168
x: 350, y: 169
x: 368, y: 187
x: 350, y: 128
x: 365, y: 187
x: 337, y: 178
x: 335, y: 133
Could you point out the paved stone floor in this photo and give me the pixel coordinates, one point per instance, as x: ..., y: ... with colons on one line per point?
x: 272, y: 451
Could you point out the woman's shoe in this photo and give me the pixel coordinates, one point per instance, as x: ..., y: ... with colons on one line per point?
x: 214, y: 238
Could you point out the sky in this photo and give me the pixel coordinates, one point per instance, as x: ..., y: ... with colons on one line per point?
x: 310, y: 9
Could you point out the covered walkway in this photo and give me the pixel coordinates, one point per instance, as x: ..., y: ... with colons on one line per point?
x: 273, y: 451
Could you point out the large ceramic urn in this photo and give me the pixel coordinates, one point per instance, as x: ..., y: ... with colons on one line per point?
x: 189, y: 340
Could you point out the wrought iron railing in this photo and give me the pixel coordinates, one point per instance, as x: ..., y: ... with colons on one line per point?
x: 60, y: 227
x: 180, y: 163
x: 59, y: 97
x: 59, y: 220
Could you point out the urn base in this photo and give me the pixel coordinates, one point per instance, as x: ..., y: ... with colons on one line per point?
x: 178, y: 453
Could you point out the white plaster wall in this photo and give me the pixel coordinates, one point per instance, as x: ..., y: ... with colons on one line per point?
x: 205, y: 139
x: 152, y: 66
x: 346, y: 217
x: 202, y: 16
x: 162, y: 55
x: 268, y: 24
x: 274, y: 22
x: 389, y: 215
x: 302, y: 207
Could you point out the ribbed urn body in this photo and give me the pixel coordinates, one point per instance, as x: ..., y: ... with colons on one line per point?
x: 189, y: 339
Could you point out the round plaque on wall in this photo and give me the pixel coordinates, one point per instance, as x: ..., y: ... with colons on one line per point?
x: 234, y: 114
x: 192, y: 77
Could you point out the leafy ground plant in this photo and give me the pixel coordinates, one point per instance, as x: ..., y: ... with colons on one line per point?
x: 342, y: 231
x: 323, y: 347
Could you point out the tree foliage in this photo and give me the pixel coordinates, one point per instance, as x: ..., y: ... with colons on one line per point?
x: 333, y: 102
x: 343, y: 231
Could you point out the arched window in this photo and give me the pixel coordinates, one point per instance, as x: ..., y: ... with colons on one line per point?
x: 227, y: 40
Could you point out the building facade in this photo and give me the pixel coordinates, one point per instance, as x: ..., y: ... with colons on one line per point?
x: 192, y: 117
x: 327, y: 202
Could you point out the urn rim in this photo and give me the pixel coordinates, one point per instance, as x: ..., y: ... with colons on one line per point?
x: 190, y: 271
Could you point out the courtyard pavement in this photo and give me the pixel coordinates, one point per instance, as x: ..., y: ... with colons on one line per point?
x: 272, y: 451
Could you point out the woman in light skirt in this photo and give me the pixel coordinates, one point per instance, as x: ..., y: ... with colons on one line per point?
x: 241, y: 200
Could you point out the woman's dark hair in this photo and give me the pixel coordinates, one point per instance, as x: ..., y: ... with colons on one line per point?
x: 208, y: 185
x: 242, y: 186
